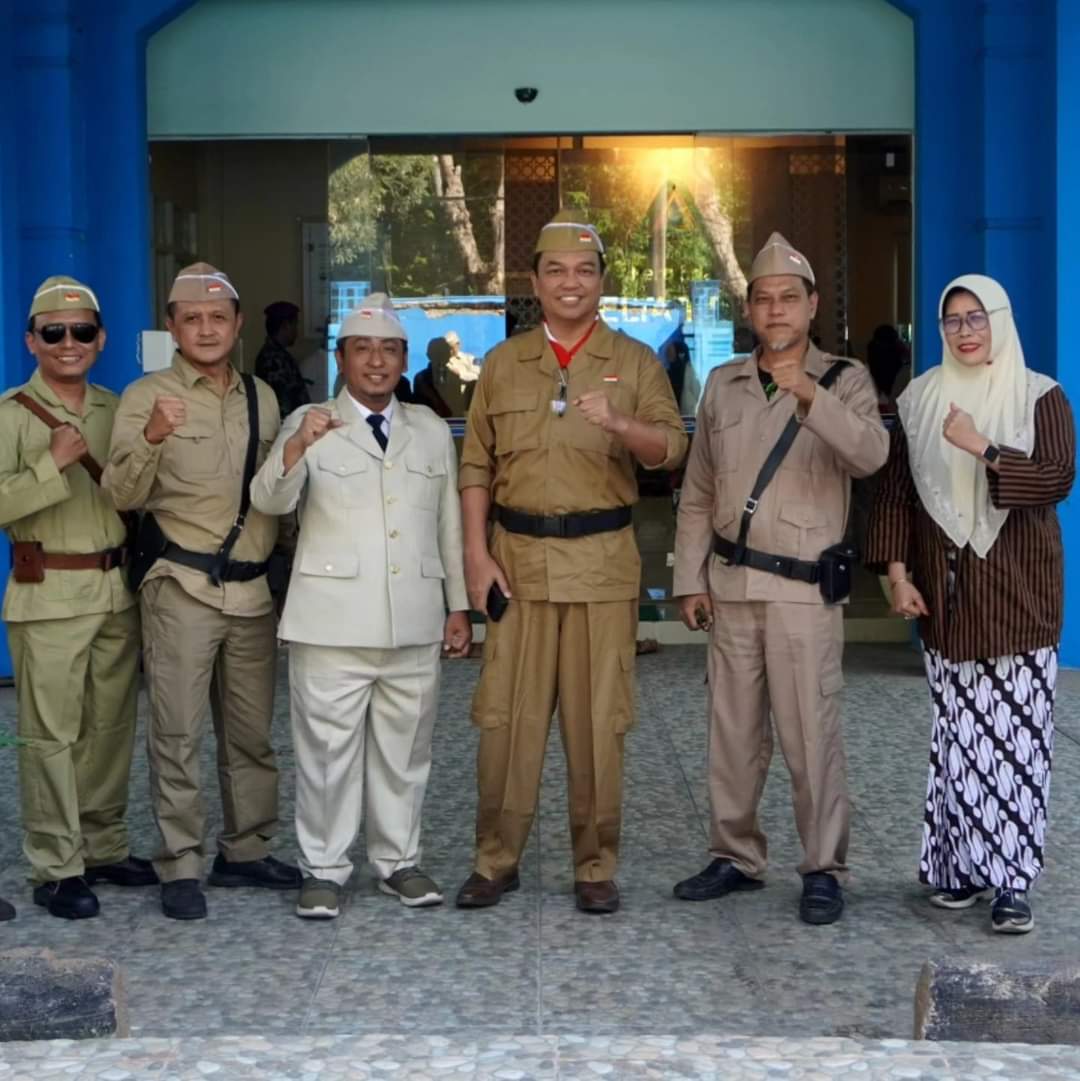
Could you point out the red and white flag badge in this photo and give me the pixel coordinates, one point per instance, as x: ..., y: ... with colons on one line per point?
x: 585, y: 237
x: 214, y: 287
x: 71, y: 298
x: 366, y: 313
x: 611, y: 378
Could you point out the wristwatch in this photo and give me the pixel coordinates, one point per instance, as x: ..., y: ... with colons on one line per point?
x: 991, y: 454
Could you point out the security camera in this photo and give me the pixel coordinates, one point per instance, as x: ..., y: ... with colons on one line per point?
x: 525, y: 94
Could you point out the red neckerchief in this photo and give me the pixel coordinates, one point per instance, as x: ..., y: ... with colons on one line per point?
x: 564, y: 355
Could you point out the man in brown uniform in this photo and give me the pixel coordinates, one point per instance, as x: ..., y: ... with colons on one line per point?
x: 178, y: 452
x: 72, y: 624
x: 775, y: 641
x: 560, y: 417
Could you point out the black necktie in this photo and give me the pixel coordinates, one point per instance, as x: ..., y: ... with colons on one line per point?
x: 376, y: 422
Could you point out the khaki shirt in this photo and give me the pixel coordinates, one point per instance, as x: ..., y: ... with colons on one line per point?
x: 804, y: 509
x: 191, y: 480
x: 535, y: 461
x: 64, y: 511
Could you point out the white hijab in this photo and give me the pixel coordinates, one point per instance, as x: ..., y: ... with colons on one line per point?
x: 1000, y: 396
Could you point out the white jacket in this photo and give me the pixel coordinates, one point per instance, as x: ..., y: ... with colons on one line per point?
x: 379, y: 558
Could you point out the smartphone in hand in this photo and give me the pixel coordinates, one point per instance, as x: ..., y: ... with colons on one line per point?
x: 497, y: 603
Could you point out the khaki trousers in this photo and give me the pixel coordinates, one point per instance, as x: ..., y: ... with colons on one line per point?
x: 362, y: 721
x: 788, y: 657
x: 76, y: 681
x: 194, y: 655
x: 580, y: 656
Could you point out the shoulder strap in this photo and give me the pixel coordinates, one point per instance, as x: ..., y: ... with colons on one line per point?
x: 772, y: 464
x: 86, y: 461
x: 222, y: 558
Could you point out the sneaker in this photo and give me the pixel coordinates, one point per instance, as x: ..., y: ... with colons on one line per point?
x: 956, y: 899
x: 182, y: 899
x: 412, y: 887
x: 1010, y: 913
x: 719, y: 878
x: 319, y: 899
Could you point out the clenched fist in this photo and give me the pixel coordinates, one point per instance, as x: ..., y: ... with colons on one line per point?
x: 315, y: 424
x: 790, y: 375
x: 67, y: 446
x: 597, y: 409
x: 167, y: 415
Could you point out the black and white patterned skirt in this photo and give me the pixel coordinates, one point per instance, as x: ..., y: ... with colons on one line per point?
x: 989, y: 784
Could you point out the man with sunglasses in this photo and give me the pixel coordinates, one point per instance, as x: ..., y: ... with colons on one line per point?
x: 180, y: 453
x: 72, y: 623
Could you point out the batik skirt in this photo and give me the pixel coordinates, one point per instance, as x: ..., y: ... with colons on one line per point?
x: 989, y: 782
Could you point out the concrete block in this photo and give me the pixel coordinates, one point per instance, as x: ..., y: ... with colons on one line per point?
x: 45, y: 997
x: 981, y: 1002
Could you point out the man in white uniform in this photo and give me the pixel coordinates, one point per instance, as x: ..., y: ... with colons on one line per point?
x: 378, y: 565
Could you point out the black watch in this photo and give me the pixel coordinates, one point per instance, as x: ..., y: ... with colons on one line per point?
x: 991, y: 454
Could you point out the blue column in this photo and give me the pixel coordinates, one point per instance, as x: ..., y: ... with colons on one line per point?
x: 1062, y: 287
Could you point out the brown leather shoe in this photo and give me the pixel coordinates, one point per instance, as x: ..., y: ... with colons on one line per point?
x: 480, y: 892
x: 597, y: 896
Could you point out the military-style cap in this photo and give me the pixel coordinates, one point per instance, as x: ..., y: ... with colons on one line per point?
x: 374, y: 318
x: 567, y: 232
x: 201, y: 281
x: 779, y: 257
x: 60, y: 293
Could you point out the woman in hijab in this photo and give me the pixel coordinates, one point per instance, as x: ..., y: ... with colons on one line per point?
x: 965, y: 527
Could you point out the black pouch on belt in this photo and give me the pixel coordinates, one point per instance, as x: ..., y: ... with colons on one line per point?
x: 149, y: 545
x: 837, y: 564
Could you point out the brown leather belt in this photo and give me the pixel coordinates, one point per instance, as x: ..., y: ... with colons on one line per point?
x: 85, y: 561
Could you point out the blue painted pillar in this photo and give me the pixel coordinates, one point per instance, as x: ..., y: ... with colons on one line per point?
x: 1063, y: 287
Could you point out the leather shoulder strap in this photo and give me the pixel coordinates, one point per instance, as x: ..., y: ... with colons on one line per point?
x: 86, y: 461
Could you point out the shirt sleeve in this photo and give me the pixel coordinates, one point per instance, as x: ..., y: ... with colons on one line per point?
x: 694, y: 524
x: 26, y: 487
x: 892, y: 520
x: 133, y: 462
x: 656, y: 406
x: 849, y: 421
x: 477, y: 468
x: 1046, y: 477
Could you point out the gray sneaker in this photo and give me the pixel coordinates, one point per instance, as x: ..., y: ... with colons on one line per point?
x: 318, y: 899
x: 412, y: 887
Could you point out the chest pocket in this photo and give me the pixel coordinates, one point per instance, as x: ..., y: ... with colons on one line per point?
x: 198, y: 450
x: 342, y: 469
x: 514, y: 415
x: 803, y: 529
x: 426, y: 478
x: 726, y: 435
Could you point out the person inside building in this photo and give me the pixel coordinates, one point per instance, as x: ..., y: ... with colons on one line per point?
x: 562, y: 415
x: 275, y: 365
x: 966, y: 528
x: 380, y: 546
x: 759, y: 562
x: 184, y: 449
x: 72, y: 623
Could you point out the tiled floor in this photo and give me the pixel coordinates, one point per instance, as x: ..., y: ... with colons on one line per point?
x: 534, y: 966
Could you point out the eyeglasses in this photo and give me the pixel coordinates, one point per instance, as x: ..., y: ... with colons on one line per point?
x: 54, y: 333
x: 977, y: 321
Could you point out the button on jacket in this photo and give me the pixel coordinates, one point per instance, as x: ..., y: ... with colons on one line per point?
x: 804, y: 509
x: 191, y: 480
x: 533, y: 460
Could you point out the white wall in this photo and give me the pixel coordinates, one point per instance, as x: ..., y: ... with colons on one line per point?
x: 267, y: 68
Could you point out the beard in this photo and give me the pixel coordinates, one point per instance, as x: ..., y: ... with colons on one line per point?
x: 777, y: 341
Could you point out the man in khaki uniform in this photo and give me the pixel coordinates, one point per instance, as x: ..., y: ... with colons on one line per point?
x: 560, y: 418
x: 178, y: 452
x: 775, y: 642
x: 72, y: 624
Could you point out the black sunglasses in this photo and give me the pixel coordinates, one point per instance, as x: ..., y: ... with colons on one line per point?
x: 54, y: 333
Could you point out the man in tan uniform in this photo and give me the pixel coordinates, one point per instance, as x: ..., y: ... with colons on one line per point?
x: 72, y: 624
x: 560, y: 418
x: 775, y: 641
x: 178, y: 452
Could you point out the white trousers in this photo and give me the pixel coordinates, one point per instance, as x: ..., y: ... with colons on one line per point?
x: 362, y: 720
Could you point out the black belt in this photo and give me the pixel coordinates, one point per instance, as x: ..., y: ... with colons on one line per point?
x: 564, y: 525
x: 235, y: 570
x: 801, y: 570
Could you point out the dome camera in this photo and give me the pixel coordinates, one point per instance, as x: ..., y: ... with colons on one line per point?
x: 526, y: 94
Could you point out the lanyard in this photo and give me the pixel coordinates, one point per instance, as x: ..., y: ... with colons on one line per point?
x: 564, y: 355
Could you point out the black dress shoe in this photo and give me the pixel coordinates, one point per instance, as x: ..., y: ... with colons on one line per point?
x: 130, y: 871
x: 597, y: 897
x: 183, y: 900
x: 719, y: 878
x: 480, y: 892
x: 267, y: 873
x: 7, y: 910
x: 822, y: 899
x: 70, y: 899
